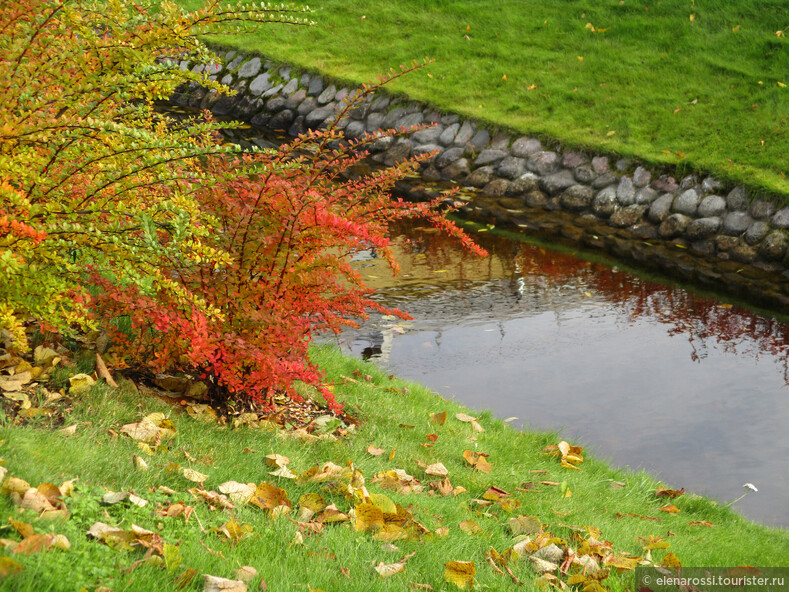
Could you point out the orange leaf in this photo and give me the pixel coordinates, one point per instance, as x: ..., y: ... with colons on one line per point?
x: 672, y: 493
x: 671, y: 508
x: 439, y: 418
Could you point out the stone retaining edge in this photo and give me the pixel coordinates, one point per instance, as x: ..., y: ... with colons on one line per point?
x: 701, y: 214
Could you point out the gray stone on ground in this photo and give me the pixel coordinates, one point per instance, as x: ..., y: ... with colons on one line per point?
x: 688, y: 182
x: 500, y: 141
x: 702, y: 228
x: 316, y: 117
x: 431, y: 174
x: 456, y: 171
x: 307, y: 106
x: 735, y: 223
x: 577, y: 198
x: 425, y: 148
x: 660, y: 208
x: 355, y: 129
x: 543, y: 163
x: 297, y: 127
x: 291, y: 87
x: 737, y: 199
x: 674, y: 225
x: 375, y: 121
x: 409, y: 120
x: 756, y: 232
x: 605, y: 179
x: 400, y: 151
x: 448, y: 135
x: 570, y: 160
x: 489, y: 156
x: 712, y: 205
x: 584, y: 174
x: 665, y: 184
x: 272, y: 91
x: 781, y: 218
x: 774, y: 246
x: 260, y: 84
x: 341, y: 94
x: 497, y: 187
x: 600, y: 165
x: 761, y: 209
x: 525, y: 147
x: 327, y: 95
x: 294, y: 100
x: 448, y: 156
x: 480, y: 177
x: 315, y: 87
x: 626, y: 192
x: 382, y: 144
x: 687, y: 202
x: 604, y: 203
x: 525, y: 183
x: 380, y: 103
x: 557, y: 182
x: 465, y: 133
x: 480, y: 140
x: 710, y: 184
x: 641, y: 177
x: 429, y: 135
x: 227, y: 79
x: 511, y: 167
x: 627, y: 216
x: 282, y: 120
x: 743, y: 253
x: 233, y: 64
x: 276, y: 104
x: 250, y: 68
x: 646, y: 195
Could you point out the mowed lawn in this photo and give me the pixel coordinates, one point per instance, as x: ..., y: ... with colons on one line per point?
x: 699, y: 84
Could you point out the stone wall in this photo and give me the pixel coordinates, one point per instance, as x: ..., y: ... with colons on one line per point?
x: 510, y: 179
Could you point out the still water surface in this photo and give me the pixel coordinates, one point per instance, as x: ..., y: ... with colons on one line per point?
x: 646, y: 375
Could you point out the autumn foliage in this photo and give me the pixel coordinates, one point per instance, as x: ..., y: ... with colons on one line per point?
x: 226, y: 263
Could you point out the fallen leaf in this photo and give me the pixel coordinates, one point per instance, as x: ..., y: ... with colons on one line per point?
x: 437, y: 470
x: 80, y: 383
x: 460, y: 573
x: 186, y: 578
x: 372, y: 450
x: 277, y: 460
x: 670, y: 493
x: 245, y: 573
x: 439, y: 418
x: 524, y: 525
x: 368, y: 517
x: 700, y: 523
x: 8, y: 566
x: 470, y: 527
x: 216, y: 584
x: 192, y: 475
x: 240, y: 493
x: 388, y: 570
x: 670, y: 508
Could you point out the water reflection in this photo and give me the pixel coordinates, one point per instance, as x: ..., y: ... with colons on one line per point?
x: 644, y: 374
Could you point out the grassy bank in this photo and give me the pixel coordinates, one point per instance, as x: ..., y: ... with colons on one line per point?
x: 296, y: 551
x: 693, y: 84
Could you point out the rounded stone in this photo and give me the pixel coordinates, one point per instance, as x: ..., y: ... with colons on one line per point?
x: 427, y: 148
x: 497, y: 187
x: 756, y: 232
x: 577, y: 198
x: 571, y: 160
x: 282, y: 120
x: 641, y: 177
x: 735, y: 223
x: 584, y: 174
x: 525, y: 147
x: 661, y: 208
x: 774, y: 246
x: 701, y: 228
x: 557, y: 182
x: 315, y: 87
x: 781, y: 218
x: 712, y: 205
x: 489, y: 157
x: 410, y: 120
x: 448, y: 156
x: 511, y: 167
x: 743, y: 253
x: 316, y: 117
x: 646, y: 195
x: 465, y: 133
x: 297, y: 127
x: 673, y: 225
x: 260, y: 84
x: 375, y: 121
x: 710, y: 184
x: 543, y: 163
x: 605, y: 203
x: 455, y: 171
x: 536, y: 199
x: 400, y: 150
x: 431, y: 174
x: 428, y: 136
x: 604, y: 180
x: 525, y: 183
x: 761, y: 209
x: 665, y: 183
x: 627, y: 216
x: 625, y: 192
x: 250, y: 68
x: 295, y: 99
x: 687, y: 202
x: 480, y: 177
x: 327, y: 96
x: 688, y: 182
x: 600, y: 165
x: 737, y: 200
x: 479, y: 141
x: 276, y: 104
x: 291, y: 87
x: 448, y: 135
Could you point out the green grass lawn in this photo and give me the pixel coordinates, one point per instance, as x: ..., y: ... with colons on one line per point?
x: 395, y: 418
x: 700, y: 84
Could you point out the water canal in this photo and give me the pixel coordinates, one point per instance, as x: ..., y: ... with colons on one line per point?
x: 644, y: 374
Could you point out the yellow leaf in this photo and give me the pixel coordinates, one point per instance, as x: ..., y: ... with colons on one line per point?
x: 781, y: 84
x: 470, y: 527
x: 611, y: 133
x: 524, y: 525
x: 8, y: 566
x: 460, y: 573
x: 735, y: 29
x: 368, y: 517
x: 580, y: 58
x: 692, y: 17
x: 504, y: 77
x: 439, y: 418
x: 671, y: 561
